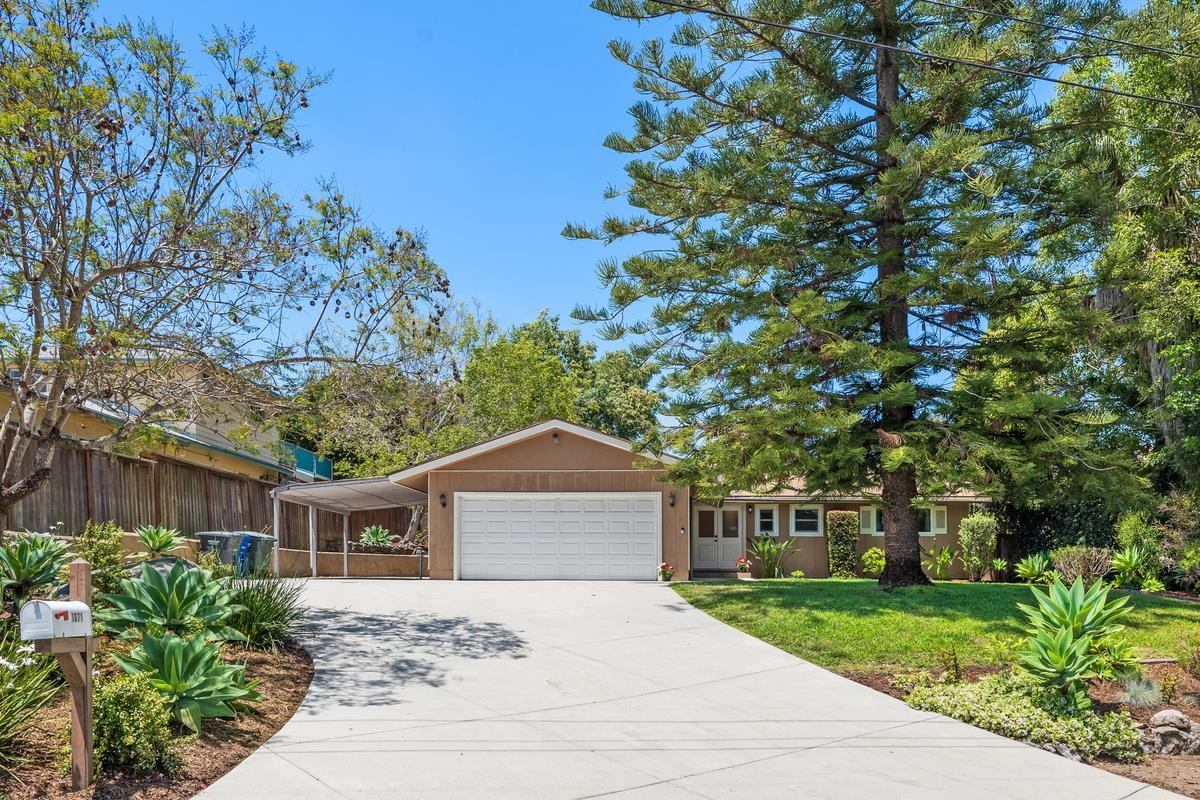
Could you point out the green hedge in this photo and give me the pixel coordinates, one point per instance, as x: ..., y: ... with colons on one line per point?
x: 841, y: 529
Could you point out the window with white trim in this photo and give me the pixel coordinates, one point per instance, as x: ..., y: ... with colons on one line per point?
x: 930, y: 521
x: 807, y: 520
x: 765, y: 520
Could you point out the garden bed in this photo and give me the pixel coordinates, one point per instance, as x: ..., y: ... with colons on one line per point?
x: 394, y: 549
x: 849, y: 626
x: 283, y: 677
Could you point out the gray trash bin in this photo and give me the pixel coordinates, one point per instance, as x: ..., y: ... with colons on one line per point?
x: 223, y: 543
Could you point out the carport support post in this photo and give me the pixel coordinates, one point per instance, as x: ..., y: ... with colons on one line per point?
x: 312, y: 540
x: 276, y: 513
x: 345, y: 545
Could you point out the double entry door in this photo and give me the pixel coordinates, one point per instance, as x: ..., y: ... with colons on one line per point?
x: 718, y: 537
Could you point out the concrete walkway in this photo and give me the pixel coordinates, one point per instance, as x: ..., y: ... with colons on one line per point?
x: 435, y: 689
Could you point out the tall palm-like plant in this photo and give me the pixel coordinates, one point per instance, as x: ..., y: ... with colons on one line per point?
x: 770, y: 553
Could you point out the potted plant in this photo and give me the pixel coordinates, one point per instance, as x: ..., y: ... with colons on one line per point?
x: 743, y: 568
x: 665, y: 572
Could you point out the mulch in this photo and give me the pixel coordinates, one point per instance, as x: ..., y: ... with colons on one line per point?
x: 1177, y: 773
x: 283, y: 678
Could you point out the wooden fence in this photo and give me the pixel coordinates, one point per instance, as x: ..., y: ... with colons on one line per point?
x: 139, y: 491
x: 163, y: 491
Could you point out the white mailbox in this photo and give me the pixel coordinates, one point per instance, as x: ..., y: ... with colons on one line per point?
x: 55, y: 619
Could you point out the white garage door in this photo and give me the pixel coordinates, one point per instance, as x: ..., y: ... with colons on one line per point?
x: 580, y: 535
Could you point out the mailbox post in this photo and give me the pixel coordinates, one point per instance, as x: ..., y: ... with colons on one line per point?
x: 65, y: 629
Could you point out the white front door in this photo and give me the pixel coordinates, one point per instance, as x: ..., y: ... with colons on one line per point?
x: 718, y: 538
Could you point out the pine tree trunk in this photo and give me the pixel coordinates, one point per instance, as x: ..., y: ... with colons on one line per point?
x: 901, y: 542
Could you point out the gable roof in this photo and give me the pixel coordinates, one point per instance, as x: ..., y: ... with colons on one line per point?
x: 441, y: 462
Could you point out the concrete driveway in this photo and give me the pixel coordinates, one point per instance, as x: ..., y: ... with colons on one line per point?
x: 435, y: 689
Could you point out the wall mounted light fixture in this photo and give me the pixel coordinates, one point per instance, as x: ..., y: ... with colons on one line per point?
x: 442, y: 500
x: 554, y: 436
x: 671, y: 499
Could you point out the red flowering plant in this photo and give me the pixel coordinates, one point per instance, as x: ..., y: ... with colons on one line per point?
x: 742, y: 564
x: 666, y: 571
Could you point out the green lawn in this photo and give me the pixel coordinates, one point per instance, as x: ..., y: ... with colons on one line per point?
x: 851, y: 625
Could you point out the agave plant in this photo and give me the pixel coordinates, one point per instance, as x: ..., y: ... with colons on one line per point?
x: 28, y: 562
x: 375, y: 535
x: 1033, y: 568
x: 1084, y: 613
x: 184, y: 602
x: 1062, y: 662
x: 999, y: 570
x: 191, y: 677
x: 158, y: 540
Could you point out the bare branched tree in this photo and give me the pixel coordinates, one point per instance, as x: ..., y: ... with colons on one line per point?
x: 146, y: 272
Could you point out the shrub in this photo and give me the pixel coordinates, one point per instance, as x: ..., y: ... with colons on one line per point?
x: 1135, y: 530
x: 157, y: 540
x: 132, y: 725
x: 798, y: 574
x: 770, y: 553
x: 977, y: 543
x: 27, y: 683
x: 1187, y: 569
x: 1189, y: 659
x: 269, y: 609
x: 375, y: 535
x: 1014, y: 705
x: 210, y: 561
x: 873, y: 562
x: 29, y: 562
x: 1033, y: 568
x: 1152, y: 585
x: 999, y: 570
x: 100, y: 544
x: 191, y: 677
x: 841, y: 530
x: 1089, y: 563
x: 184, y: 602
x: 938, y: 562
x: 1127, y: 563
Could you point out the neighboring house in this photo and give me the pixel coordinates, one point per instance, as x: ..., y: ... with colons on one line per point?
x: 195, y: 477
x: 558, y: 500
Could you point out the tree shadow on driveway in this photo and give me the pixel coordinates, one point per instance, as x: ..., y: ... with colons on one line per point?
x: 362, y: 659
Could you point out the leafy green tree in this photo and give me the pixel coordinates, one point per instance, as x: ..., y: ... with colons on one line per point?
x: 1145, y: 180
x: 845, y: 249
x: 539, y: 371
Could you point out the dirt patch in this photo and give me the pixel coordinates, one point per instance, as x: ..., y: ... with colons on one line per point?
x: 283, y: 678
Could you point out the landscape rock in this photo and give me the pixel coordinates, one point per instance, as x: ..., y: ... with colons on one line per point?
x: 1172, y: 734
x: 1171, y: 718
x: 1062, y: 750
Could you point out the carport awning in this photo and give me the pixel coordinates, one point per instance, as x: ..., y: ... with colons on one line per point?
x: 357, y: 494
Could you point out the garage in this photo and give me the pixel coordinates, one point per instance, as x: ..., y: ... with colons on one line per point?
x: 557, y: 536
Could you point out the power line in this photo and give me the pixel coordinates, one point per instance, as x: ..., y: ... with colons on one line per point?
x: 1149, y: 48
x: 932, y: 56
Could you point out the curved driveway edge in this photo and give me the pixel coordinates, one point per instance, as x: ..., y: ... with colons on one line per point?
x: 571, y: 690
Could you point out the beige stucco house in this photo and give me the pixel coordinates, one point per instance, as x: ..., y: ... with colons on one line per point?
x: 558, y: 500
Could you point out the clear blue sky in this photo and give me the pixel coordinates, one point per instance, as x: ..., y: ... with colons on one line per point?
x: 478, y: 124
